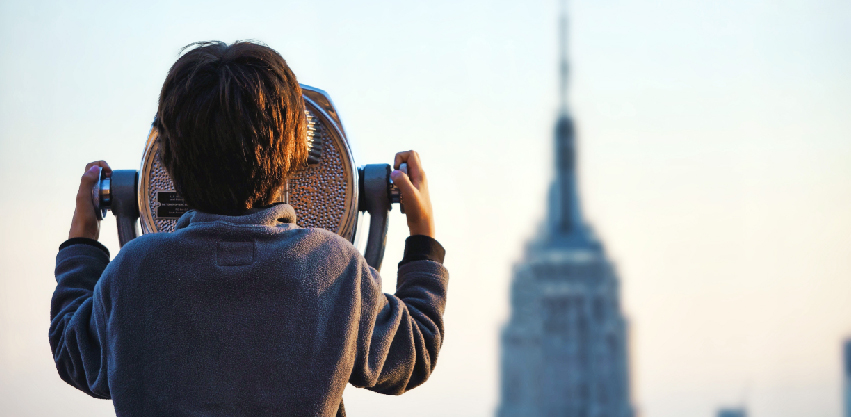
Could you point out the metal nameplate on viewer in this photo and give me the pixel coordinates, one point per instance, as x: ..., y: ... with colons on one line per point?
x: 172, y: 205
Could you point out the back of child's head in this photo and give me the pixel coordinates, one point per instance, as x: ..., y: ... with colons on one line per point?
x: 231, y: 126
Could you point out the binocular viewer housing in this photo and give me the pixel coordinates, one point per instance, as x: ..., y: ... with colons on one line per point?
x: 330, y: 192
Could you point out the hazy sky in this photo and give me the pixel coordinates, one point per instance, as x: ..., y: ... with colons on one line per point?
x: 715, y: 162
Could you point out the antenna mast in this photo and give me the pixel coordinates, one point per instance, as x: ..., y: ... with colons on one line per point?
x: 562, y: 53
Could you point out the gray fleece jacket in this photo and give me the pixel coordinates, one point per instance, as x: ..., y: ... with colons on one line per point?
x: 241, y: 316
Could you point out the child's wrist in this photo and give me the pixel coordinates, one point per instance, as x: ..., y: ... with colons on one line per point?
x: 422, y: 229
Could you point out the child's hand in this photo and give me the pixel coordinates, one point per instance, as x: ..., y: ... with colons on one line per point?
x: 414, y: 189
x: 85, y: 223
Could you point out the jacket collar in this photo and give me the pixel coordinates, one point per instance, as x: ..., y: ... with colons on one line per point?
x: 270, y: 216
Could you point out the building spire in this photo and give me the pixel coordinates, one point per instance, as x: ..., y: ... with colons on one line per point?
x: 565, y: 215
x: 562, y: 54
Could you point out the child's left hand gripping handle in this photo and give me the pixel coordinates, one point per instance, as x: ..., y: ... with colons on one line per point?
x: 85, y: 222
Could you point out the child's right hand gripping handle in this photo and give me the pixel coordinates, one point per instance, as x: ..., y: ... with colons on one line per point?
x: 414, y: 189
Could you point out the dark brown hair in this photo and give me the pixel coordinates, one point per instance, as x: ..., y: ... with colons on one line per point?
x: 231, y: 126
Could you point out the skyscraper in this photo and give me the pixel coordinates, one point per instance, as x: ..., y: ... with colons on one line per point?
x: 846, y: 376
x: 732, y: 412
x: 564, y: 348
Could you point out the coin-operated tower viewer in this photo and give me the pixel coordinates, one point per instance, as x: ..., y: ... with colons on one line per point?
x: 564, y: 348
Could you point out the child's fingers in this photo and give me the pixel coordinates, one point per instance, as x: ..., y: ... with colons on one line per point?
x: 415, y: 167
x: 107, y: 171
x: 400, y: 158
x: 406, y: 188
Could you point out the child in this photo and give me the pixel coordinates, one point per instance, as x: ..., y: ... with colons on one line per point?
x: 240, y: 312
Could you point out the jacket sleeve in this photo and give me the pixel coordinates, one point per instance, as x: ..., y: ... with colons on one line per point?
x: 400, y: 335
x: 77, y: 325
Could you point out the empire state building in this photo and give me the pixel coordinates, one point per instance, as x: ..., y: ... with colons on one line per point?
x: 564, y: 349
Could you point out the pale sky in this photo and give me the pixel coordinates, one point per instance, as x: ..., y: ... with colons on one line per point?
x: 715, y: 163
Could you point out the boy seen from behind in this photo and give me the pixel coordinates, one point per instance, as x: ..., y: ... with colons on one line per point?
x: 240, y: 312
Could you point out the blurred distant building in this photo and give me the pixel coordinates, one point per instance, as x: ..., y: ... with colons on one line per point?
x: 846, y: 362
x: 732, y: 412
x: 564, y: 348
